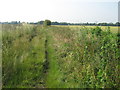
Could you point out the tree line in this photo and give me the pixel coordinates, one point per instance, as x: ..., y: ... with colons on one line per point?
x: 65, y: 23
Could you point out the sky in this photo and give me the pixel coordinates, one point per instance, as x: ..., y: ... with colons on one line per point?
x: 73, y: 11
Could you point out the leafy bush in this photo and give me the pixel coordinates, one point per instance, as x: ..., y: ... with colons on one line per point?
x: 97, y: 31
x: 47, y: 23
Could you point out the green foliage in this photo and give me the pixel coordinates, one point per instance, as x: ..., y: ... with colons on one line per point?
x: 47, y: 23
x: 88, y: 55
x: 97, y: 31
x: 23, y: 56
x: 76, y: 58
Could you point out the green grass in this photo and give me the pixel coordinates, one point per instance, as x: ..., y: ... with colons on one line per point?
x: 54, y: 71
x: 23, y: 56
x: 60, y: 57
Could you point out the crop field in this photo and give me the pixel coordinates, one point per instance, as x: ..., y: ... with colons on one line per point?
x: 113, y: 29
x: 34, y: 56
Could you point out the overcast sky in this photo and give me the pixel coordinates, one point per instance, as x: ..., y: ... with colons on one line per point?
x: 74, y: 11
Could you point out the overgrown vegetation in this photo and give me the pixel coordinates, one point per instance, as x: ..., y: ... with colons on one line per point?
x: 23, y: 56
x: 59, y: 57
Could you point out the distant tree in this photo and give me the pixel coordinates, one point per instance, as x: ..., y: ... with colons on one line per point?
x: 117, y: 23
x: 40, y: 22
x: 18, y: 22
x: 55, y: 23
x: 47, y: 23
x: 63, y: 23
x: 14, y: 22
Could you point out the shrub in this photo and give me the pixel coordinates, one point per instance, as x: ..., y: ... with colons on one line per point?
x: 47, y: 23
x: 97, y: 31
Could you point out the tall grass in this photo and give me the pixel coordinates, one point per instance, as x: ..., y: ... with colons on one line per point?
x: 76, y: 57
x: 23, y: 56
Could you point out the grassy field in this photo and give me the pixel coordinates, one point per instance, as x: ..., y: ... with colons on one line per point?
x: 113, y: 29
x: 34, y: 56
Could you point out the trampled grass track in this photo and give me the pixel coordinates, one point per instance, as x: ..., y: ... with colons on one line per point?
x: 58, y: 57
